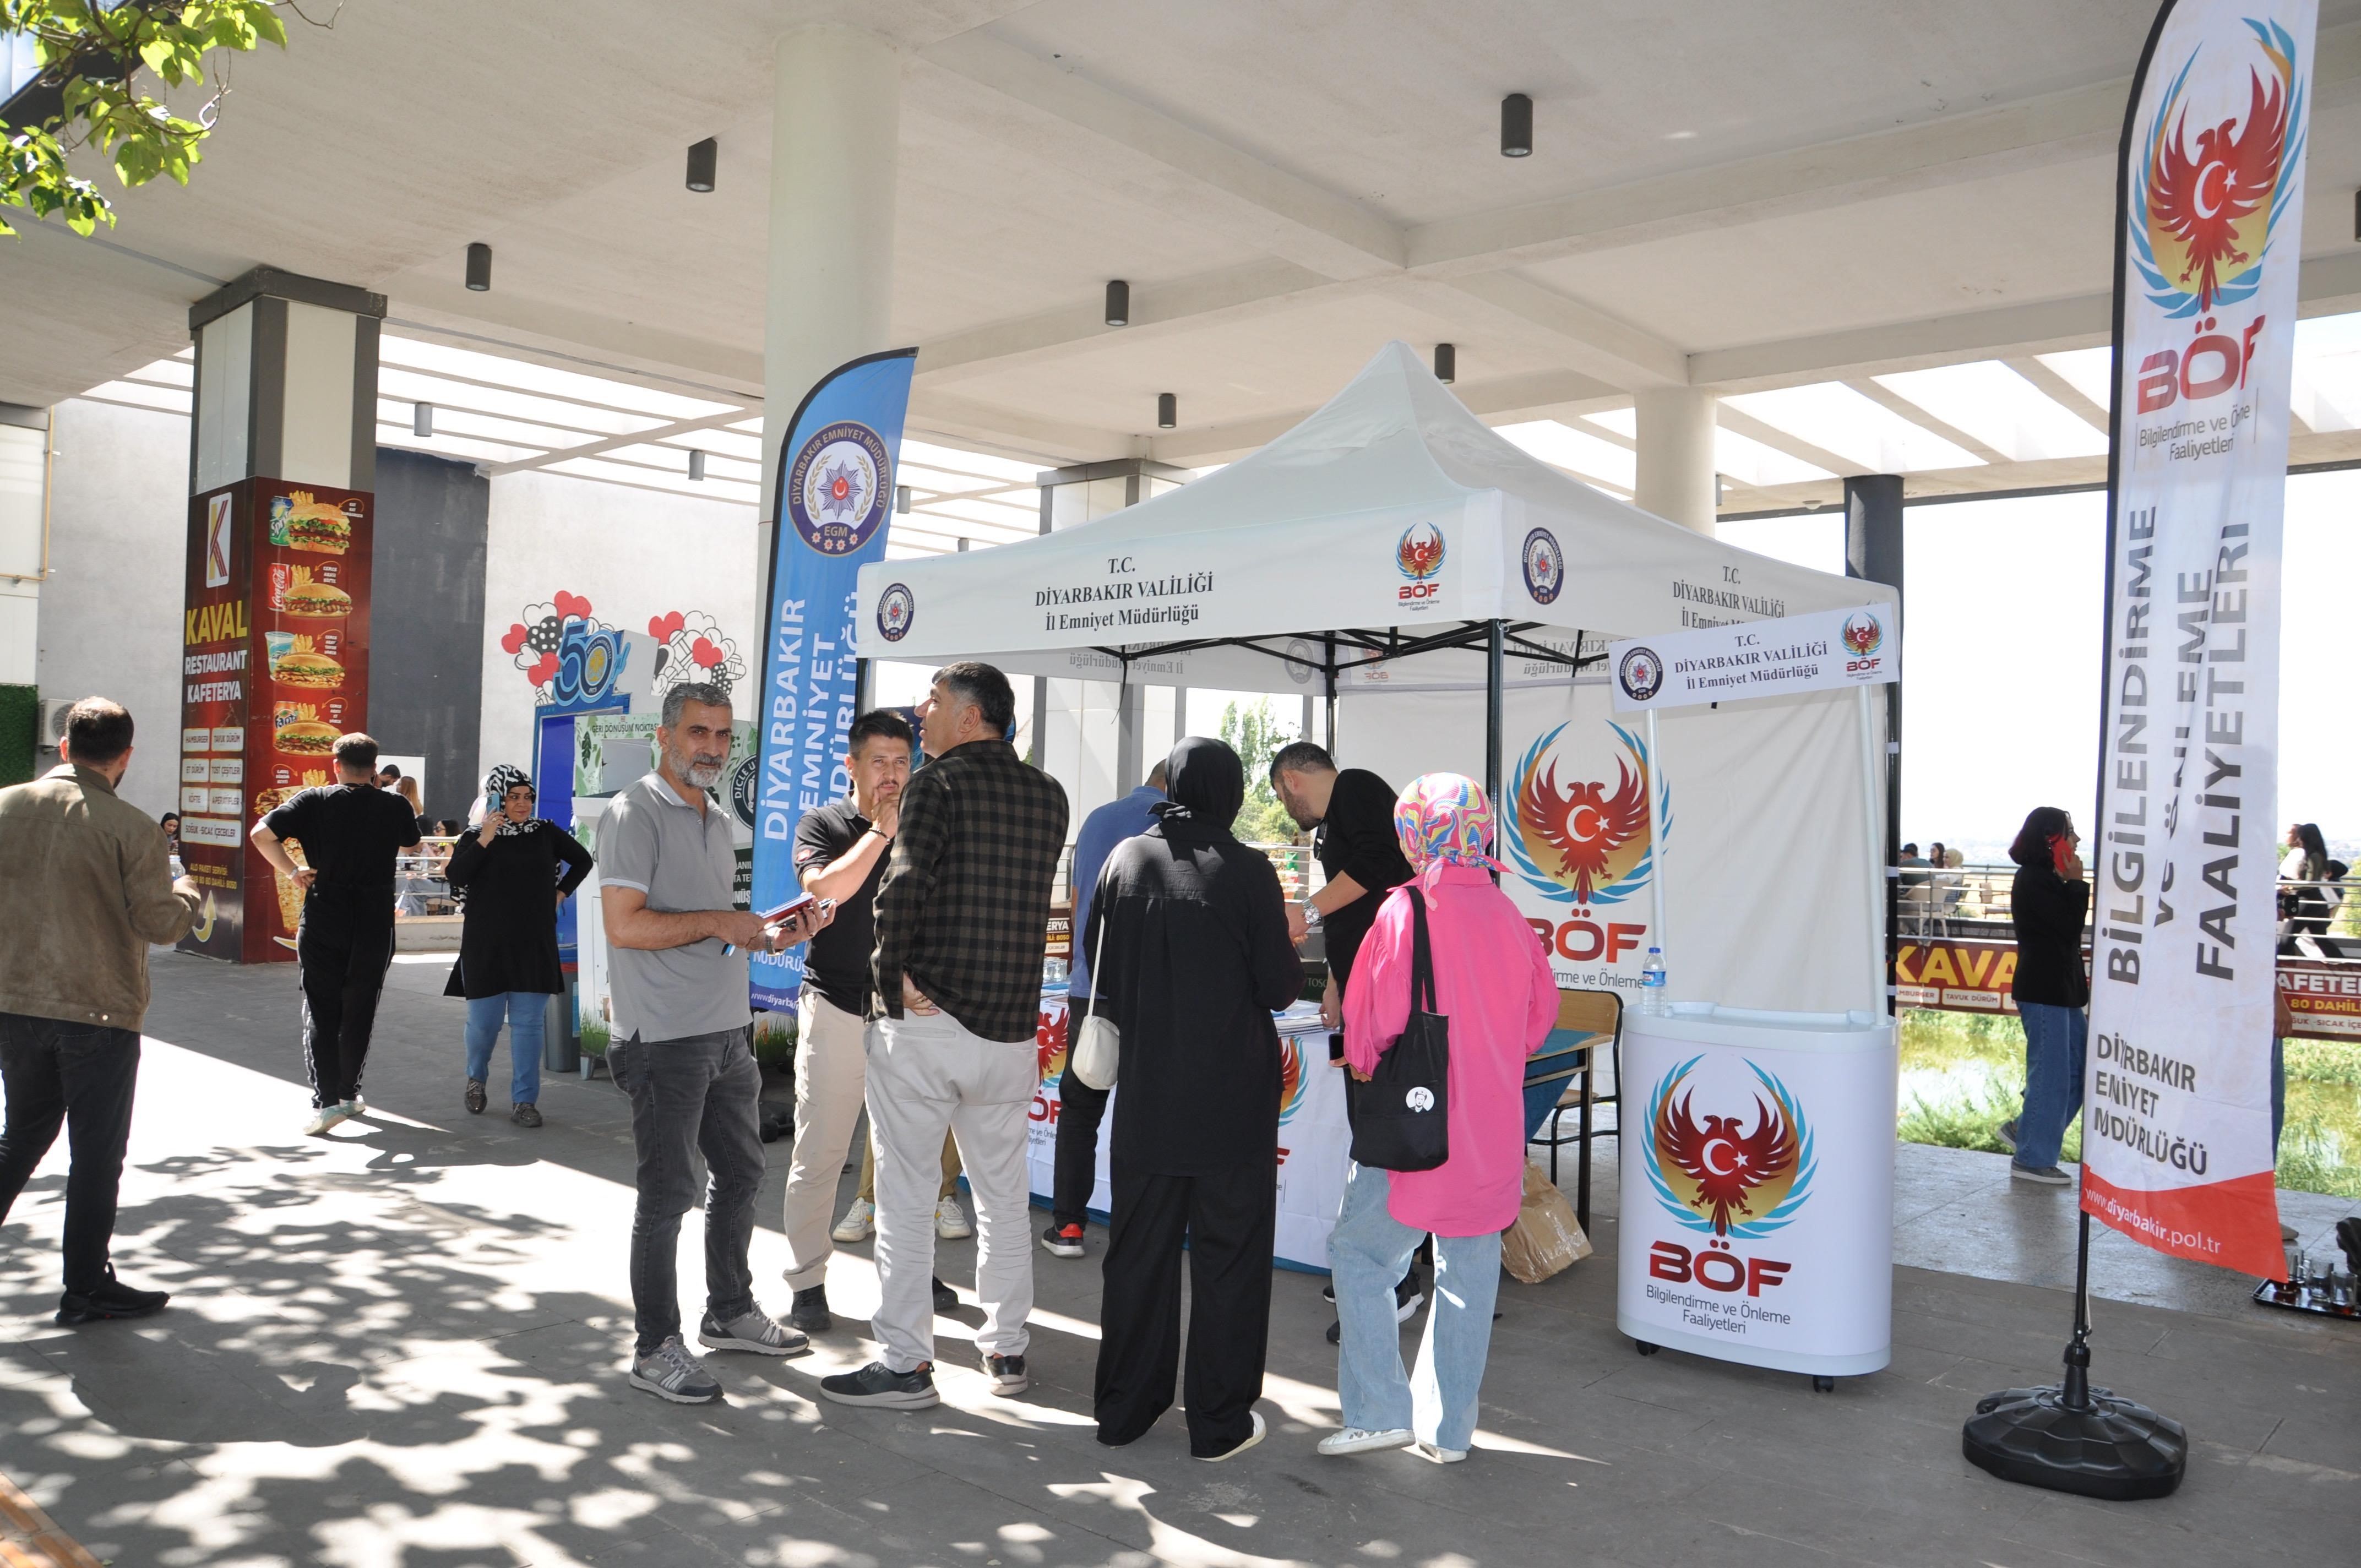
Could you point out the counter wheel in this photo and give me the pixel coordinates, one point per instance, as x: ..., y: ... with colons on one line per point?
x: 1645, y: 1348
x: 1823, y: 1385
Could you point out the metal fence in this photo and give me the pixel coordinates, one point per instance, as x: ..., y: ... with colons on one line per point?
x: 1973, y: 903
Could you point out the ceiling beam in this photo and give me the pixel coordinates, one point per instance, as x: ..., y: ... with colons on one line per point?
x: 2325, y: 285
x: 1596, y: 342
x: 1895, y: 403
x: 611, y: 443
x: 1535, y: 396
x: 2058, y: 390
x: 1778, y: 440
x: 1295, y: 219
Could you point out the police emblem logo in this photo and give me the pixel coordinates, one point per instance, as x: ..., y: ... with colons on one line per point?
x: 896, y: 609
x: 1640, y: 674
x: 1544, y: 564
x: 838, y: 487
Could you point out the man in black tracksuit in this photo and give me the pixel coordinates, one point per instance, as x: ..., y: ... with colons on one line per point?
x: 350, y: 833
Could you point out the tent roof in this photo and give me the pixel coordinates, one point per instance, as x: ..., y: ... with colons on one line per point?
x: 1308, y: 535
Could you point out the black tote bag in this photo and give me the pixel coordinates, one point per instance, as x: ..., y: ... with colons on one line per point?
x: 1400, y: 1117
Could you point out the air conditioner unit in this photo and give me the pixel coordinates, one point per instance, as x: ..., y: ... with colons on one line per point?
x: 53, y: 720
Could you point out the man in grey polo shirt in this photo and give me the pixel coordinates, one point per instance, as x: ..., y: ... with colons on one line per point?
x: 676, y: 966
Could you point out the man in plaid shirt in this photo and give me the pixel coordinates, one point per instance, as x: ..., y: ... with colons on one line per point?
x: 962, y: 917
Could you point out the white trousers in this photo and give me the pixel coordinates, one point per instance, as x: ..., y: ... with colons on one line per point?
x: 928, y: 1073
x: 832, y: 1063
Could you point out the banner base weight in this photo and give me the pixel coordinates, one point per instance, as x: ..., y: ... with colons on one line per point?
x: 2109, y: 1448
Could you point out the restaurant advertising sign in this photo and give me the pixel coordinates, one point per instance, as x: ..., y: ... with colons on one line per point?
x: 274, y: 667
x: 2177, y: 1121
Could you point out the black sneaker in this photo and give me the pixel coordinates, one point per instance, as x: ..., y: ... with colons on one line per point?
x: 1062, y: 1241
x: 808, y: 1312
x: 525, y: 1115
x: 112, y: 1298
x: 1408, y: 1298
x: 946, y: 1298
x: 1007, y: 1374
x: 878, y: 1384
x: 475, y: 1096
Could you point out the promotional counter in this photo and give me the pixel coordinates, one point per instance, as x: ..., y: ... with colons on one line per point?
x: 1314, y: 1143
x: 1758, y: 1188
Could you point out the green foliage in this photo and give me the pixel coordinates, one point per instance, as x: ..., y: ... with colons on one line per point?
x: 1963, y: 1074
x: 775, y: 1038
x: 1255, y: 735
x: 95, y: 57
x: 595, y: 1036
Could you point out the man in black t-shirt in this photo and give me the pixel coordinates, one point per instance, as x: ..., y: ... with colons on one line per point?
x: 350, y: 833
x: 840, y: 852
x: 1353, y: 812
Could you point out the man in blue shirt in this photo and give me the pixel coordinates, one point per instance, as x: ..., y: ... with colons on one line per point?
x: 1080, y: 1108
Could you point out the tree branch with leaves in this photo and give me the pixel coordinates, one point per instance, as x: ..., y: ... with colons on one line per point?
x: 91, y: 57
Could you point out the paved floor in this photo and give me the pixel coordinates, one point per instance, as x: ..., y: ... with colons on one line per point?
x: 398, y: 1347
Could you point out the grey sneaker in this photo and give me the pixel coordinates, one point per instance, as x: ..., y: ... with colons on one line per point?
x: 669, y: 1371
x: 2046, y: 1175
x: 755, y: 1330
x: 2006, y: 1134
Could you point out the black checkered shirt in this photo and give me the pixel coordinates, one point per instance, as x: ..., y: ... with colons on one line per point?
x: 963, y: 910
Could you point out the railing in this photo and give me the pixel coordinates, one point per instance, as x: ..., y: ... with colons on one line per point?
x: 1973, y: 902
x: 1298, y: 873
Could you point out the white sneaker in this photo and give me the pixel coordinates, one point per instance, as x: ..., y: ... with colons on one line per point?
x: 951, y: 1220
x: 326, y: 1117
x: 858, y: 1221
x: 356, y: 1106
x: 1252, y: 1438
x: 1441, y: 1455
x: 1358, y: 1440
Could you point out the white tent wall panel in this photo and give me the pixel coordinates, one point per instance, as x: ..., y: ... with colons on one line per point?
x: 1765, y: 849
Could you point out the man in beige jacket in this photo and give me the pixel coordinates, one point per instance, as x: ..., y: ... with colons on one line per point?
x: 91, y: 875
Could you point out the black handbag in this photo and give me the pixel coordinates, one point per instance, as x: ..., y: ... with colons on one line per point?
x: 1401, y: 1116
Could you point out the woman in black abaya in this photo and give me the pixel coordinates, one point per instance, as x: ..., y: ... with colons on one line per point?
x: 1197, y: 959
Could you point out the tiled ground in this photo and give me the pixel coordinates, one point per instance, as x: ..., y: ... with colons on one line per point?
x: 398, y: 1347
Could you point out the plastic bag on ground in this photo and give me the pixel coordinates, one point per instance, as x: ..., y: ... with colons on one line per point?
x: 1546, y: 1239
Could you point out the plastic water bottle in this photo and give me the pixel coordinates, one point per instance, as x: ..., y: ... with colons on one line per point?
x: 1651, y: 985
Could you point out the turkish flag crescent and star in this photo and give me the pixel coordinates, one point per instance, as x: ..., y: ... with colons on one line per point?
x: 2183, y: 859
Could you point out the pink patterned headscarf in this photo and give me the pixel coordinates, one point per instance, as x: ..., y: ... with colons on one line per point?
x: 1444, y: 816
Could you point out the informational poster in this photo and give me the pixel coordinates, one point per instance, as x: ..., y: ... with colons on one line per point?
x: 835, y: 494
x: 1828, y: 650
x: 274, y: 668
x: 2183, y: 859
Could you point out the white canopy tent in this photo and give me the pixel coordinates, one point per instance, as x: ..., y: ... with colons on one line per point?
x: 1389, y: 526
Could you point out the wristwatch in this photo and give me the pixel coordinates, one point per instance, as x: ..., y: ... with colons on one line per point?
x: 1311, y: 915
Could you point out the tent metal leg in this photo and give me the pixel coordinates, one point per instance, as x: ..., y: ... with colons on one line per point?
x: 1496, y: 664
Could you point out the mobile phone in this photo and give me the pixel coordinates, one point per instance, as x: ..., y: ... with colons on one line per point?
x: 1336, y: 1047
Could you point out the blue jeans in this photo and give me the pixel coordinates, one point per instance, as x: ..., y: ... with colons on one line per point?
x: 2055, y: 1038
x: 525, y: 1011
x: 1367, y: 1252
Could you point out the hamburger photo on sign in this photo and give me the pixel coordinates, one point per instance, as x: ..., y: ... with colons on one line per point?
x: 301, y: 522
x: 296, y: 661
x: 296, y: 591
x: 300, y: 733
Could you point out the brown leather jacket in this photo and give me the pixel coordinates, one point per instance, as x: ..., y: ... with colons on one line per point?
x: 88, y: 885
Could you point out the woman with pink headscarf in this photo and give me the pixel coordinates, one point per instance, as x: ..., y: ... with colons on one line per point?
x: 1492, y: 980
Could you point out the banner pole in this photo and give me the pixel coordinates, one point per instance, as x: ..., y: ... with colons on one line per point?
x: 1495, y: 678
x: 1871, y: 797
x: 1656, y: 848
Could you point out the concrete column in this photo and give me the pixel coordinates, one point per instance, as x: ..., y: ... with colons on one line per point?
x: 835, y: 146
x: 1676, y: 479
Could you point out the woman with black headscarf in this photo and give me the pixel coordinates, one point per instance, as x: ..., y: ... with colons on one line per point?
x: 2048, y: 903
x: 513, y: 873
x: 1195, y: 961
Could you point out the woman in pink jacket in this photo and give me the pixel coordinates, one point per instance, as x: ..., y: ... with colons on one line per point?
x: 1492, y: 980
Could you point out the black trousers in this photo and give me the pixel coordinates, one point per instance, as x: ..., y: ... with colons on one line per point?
x: 79, y: 1075
x: 344, y: 956
x: 1081, y: 1109
x: 1226, y: 1218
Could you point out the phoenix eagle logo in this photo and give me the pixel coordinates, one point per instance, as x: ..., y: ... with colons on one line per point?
x: 2204, y: 209
x: 1714, y: 1172
x: 1863, y: 634
x: 1581, y: 840
x: 1420, y: 553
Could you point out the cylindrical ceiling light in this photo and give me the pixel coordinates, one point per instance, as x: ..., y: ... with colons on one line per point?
x: 480, y: 267
x: 702, y: 158
x: 963, y: 545
x: 1167, y: 411
x: 695, y: 464
x: 1446, y: 363
x: 902, y: 498
x: 421, y: 419
x: 1118, y: 302
x: 1516, y: 125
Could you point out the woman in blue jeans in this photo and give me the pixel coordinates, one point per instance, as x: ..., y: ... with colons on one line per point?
x: 514, y: 875
x: 2049, y: 902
